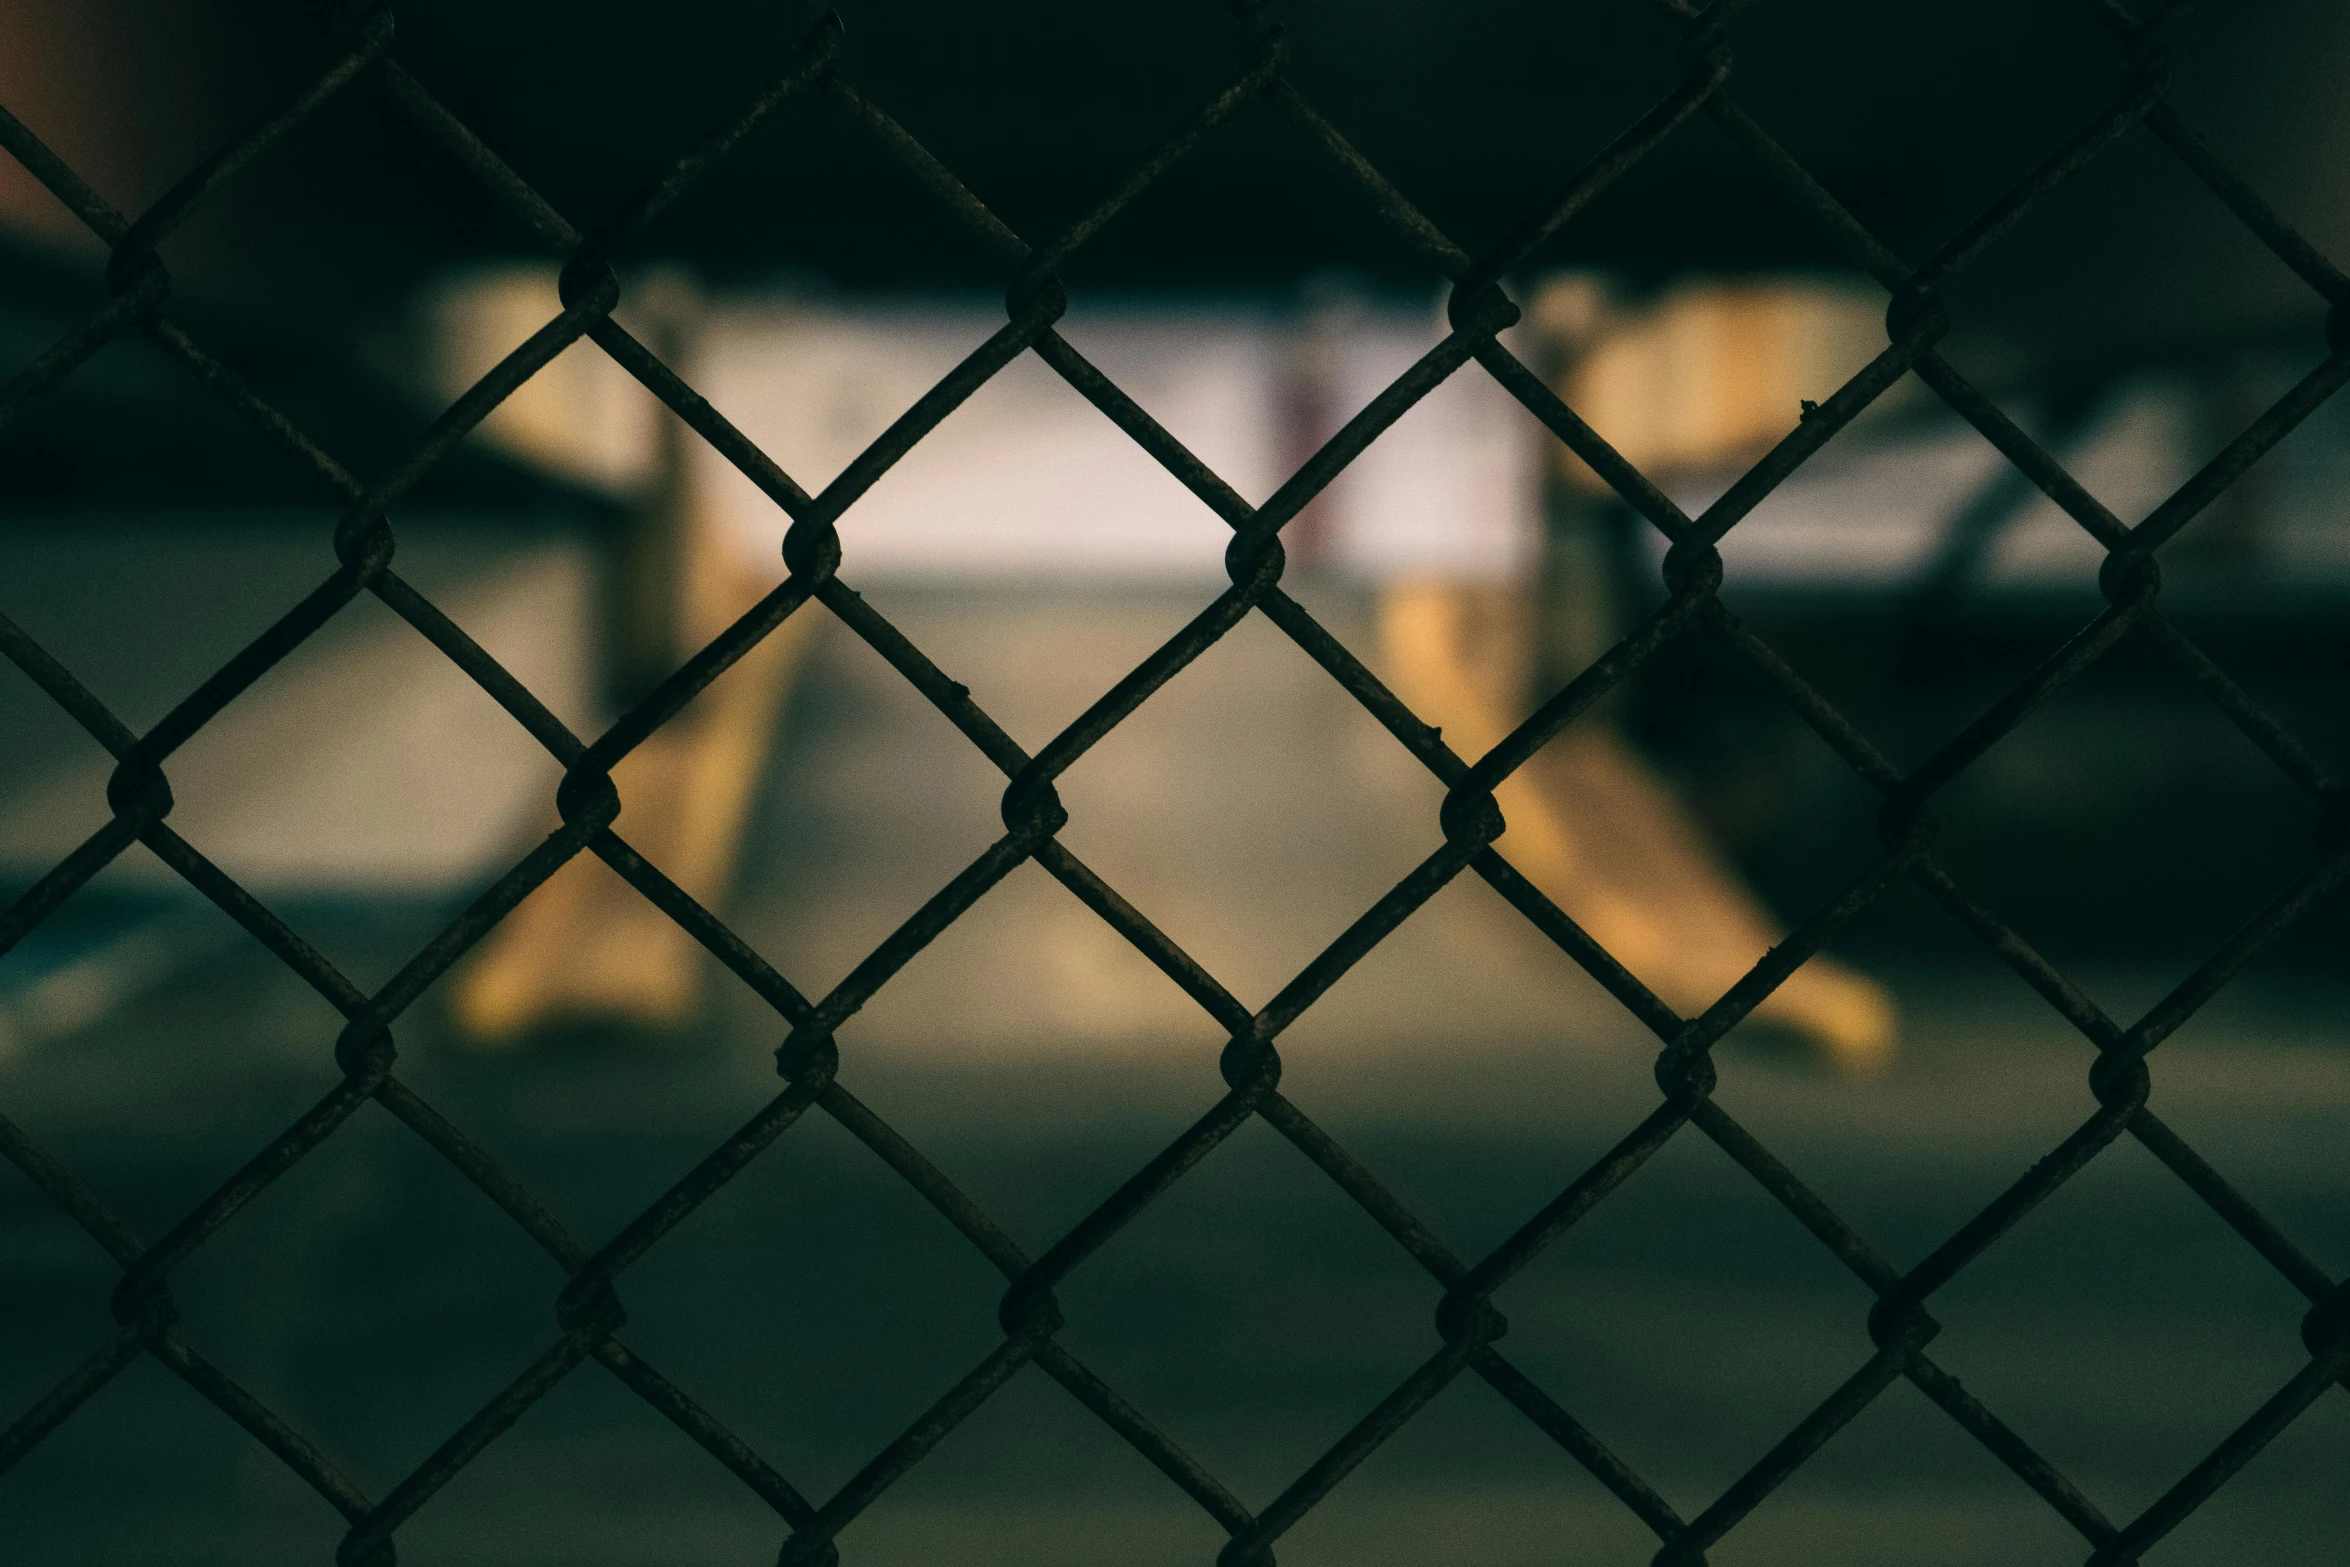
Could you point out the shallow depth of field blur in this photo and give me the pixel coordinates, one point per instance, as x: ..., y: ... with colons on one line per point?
x: 366, y: 790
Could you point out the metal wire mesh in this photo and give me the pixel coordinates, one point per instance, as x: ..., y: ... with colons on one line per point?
x: 1468, y: 1331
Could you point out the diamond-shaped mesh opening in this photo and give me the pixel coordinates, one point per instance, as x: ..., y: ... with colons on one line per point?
x: 1039, y: 1127
x: 1687, y: 1321
x: 2224, y: 1092
x: 1770, y: 793
x: 539, y: 94
x: 1903, y: 1466
x: 1033, y: 1477
x: 1256, y: 1355
x: 370, y: 1336
x: 1986, y: 1080
x: 1467, y: 1028
x: 1031, y: 975
x: 2129, y: 742
x: 316, y: 815
x: 2137, y: 1366
x: 1469, y: 1477
x: 2270, y: 1511
x: 1219, y: 791
x: 179, y: 607
x: 1869, y: 510
x: 816, y: 1369
x: 801, y: 897
x: 1035, y: 656
x: 217, y: 1496
x: 118, y: 1073
x: 2015, y: 78
x: 559, y: 1487
x: 2081, y: 247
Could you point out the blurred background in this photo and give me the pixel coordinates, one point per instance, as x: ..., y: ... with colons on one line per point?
x: 1250, y: 302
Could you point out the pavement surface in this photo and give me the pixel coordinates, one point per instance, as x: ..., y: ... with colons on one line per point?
x: 818, y: 1305
x: 364, y: 760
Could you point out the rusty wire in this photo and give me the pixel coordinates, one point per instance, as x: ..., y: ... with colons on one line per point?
x: 1468, y: 1330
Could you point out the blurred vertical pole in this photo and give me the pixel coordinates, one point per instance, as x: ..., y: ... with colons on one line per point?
x: 1696, y: 382
x: 646, y: 571
x: 1580, y: 579
x: 1312, y: 409
x: 1932, y: 610
x: 587, y: 950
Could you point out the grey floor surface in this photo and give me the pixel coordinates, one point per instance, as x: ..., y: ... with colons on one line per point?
x: 818, y: 1305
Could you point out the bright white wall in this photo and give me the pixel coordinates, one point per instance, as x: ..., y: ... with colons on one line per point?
x: 1027, y: 479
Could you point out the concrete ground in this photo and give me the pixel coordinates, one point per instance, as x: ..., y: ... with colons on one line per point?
x: 365, y: 758
x: 818, y: 1304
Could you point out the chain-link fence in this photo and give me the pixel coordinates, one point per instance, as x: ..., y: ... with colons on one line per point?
x: 1468, y: 1335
